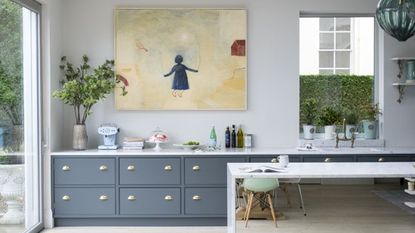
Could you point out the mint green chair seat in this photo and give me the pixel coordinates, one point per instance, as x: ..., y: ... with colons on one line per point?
x: 260, y: 185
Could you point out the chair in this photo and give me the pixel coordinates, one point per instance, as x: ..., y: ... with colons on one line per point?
x: 257, y: 188
x: 284, y: 183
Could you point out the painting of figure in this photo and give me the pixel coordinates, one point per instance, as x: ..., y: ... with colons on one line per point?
x: 181, y: 59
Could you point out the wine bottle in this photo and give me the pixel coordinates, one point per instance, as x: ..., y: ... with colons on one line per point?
x: 213, y: 138
x: 233, y: 137
x: 227, y: 138
x: 240, y: 137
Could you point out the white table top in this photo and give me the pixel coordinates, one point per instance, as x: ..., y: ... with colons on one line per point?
x: 328, y: 170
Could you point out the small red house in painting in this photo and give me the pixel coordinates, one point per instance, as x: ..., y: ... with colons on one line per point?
x: 238, y: 48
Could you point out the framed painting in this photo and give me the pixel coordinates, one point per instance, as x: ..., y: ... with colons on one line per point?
x: 181, y: 59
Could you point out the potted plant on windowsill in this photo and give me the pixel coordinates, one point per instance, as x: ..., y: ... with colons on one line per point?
x: 309, y: 113
x: 328, y: 118
x: 370, y: 116
x: 352, y: 119
x: 82, y: 89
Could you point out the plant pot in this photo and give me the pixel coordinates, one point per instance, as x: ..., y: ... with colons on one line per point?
x: 350, y: 130
x: 309, y: 131
x: 369, y: 127
x: 80, y: 137
x: 329, y: 131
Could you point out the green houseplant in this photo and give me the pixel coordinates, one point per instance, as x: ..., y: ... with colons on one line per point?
x: 309, y: 114
x: 82, y: 88
x: 370, y: 115
x: 329, y: 117
x: 352, y: 119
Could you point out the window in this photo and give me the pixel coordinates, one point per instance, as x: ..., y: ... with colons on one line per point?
x: 337, y: 60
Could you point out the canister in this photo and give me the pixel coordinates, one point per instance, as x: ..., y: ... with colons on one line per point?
x: 410, y: 71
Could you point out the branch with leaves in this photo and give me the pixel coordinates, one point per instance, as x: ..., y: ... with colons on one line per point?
x: 82, y: 87
x: 11, y: 96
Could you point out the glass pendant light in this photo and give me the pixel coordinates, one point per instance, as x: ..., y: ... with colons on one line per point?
x: 397, y: 18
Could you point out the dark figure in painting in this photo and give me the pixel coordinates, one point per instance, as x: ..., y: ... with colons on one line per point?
x: 180, y: 82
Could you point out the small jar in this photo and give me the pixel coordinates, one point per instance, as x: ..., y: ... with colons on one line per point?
x: 248, y: 141
x: 411, y: 186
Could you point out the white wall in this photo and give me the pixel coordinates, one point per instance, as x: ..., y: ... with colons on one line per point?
x: 273, y: 69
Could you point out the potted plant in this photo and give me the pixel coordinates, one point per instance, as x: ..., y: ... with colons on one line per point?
x: 82, y: 88
x: 370, y: 115
x: 352, y: 119
x: 328, y: 118
x: 11, y: 99
x: 309, y: 113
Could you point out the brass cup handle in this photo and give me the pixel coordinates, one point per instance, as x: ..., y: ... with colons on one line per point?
x: 66, y: 168
x: 381, y: 159
x: 168, y: 198
x: 103, y: 198
x: 327, y: 160
x: 131, y: 168
x: 274, y: 160
x: 131, y: 198
x: 196, y: 198
x: 196, y: 168
x: 168, y: 168
x: 103, y: 168
x: 66, y: 198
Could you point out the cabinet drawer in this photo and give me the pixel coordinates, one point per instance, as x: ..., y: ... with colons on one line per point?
x: 150, y: 171
x: 208, y: 201
x: 274, y: 159
x: 84, y: 201
x: 207, y: 170
x: 328, y: 159
x: 84, y: 171
x: 379, y: 158
x: 150, y: 201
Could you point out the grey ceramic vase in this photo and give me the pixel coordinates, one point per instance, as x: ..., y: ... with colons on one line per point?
x: 80, y: 137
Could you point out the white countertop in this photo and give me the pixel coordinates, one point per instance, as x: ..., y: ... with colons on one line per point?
x: 253, y: 151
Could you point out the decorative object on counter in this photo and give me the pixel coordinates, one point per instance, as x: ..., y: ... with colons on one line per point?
x: 12, y: 181
x: 82, y: 89
x: 201, y: 53
x: 410, y: 71
x: 328, y: 118
x: 191, y: 145
x: 352, y: 119
x: 411, y: 185
x: 233, y: 137
x: 309, y: 107
x: 343, y: 136
x: 227, y: 138
x: 283, y: 160
x: 406, y: 75
x: 240, y: 137
x: 109, y: 133
x: 133, y: 143
x: 158, y: 137
x: 213, y: 140
x: 248, y: 141
x: 370, y: 114
x: 394, y: 17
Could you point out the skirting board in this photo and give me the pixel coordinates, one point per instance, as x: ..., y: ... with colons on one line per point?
x: 140, y: 222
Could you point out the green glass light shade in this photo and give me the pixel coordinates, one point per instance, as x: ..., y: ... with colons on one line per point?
x: 396, y: 17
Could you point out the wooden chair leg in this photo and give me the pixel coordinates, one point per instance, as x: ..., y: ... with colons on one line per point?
x: 271, y: 206
x: 248, y: 210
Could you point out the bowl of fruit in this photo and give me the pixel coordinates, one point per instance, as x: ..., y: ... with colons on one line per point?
x: 189, y: 145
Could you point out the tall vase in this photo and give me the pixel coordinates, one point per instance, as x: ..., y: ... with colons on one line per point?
x: 80, y: 137
x: 13, y: 193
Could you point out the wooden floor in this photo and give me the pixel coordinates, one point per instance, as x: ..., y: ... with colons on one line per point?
x: 331, y: 209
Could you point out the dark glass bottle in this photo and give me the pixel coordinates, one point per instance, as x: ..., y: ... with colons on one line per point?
x: 227, y: 138
x: 233, y: 137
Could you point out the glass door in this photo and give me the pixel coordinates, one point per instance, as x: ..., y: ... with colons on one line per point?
x: 20, y: 193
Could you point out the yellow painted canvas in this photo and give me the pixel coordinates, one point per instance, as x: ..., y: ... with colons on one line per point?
x: 181, y: 59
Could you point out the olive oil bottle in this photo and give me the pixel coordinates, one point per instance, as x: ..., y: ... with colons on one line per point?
x: 240, y: 137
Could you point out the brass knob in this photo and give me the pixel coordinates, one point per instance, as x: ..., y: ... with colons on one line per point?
x: 131, y: 198
x: 327, y: 160
x: 103, y: 198
x: 381, y: 159
x: 103, y: 168
x: 196, y: 198
x: 168, y: 198
x: 131, y: 168
x: 196, y: 168
x: 168, y: 168
x: 274, y: 160
x: 66, y: 198
x: 66, y: 168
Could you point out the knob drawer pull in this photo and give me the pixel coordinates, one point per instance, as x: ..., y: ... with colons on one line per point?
x: 132, y: 198
x: 327, y: 160
x: 168, y: 168
x: 196, y: 198
x: 274, y: 160
x: 168, y: 198
x: 66, y: 168
x: 66, y: 198
x: 103, y: 198
x: 131, y: 168
x: 103, y: 168
x: 381, y: 159
x: 196, y: 168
